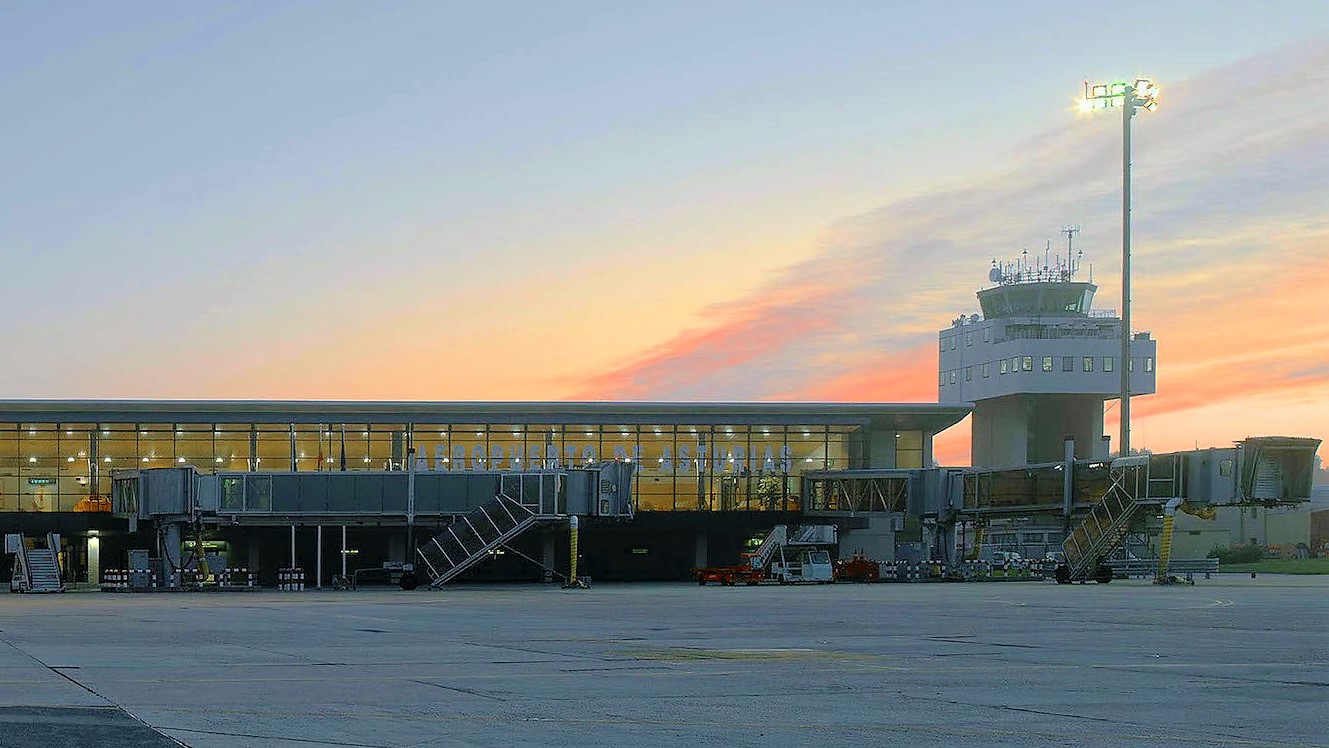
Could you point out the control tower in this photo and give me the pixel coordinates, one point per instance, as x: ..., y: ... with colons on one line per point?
x: 1039, y: 362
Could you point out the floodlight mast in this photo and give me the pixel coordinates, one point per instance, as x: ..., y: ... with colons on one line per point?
x: 1143, y: 94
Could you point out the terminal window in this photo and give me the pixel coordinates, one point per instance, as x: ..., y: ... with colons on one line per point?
x: 1089, y: 363
x: 1028, y: 363
x: 1047, y: 363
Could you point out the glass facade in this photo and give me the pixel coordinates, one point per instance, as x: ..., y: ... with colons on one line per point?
x: 66, y: 467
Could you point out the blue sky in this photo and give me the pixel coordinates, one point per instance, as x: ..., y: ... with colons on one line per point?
x: 222, y: 199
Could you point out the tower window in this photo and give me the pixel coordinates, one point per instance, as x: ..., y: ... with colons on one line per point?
x: 1015, y: 364
x: 1047, y: 363
x: 1148, y: 363
x: 952, y: 376
x: 969, y: 338
x: 985, y: 370
x: 1109, y: 363
x: 1068, y: 363
x: 987, y: 334
x: 1027, y: 363
x: 1130, y: 364
x: 1002, y: 370
x: 968, y: 373
x: 1089, y: 363
x: 942, y: 380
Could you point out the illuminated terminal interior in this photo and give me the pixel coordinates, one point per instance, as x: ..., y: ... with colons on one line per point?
x: 60, y: 456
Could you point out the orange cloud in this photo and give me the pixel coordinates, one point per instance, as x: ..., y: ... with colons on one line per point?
x: 1230, y: 253
x: 889, y: 376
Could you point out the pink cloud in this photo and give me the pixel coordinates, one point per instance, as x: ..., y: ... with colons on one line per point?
x: 1229, y: 240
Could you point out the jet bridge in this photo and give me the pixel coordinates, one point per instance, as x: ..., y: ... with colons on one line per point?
x: 479, y: 511
x: 1099, y: 502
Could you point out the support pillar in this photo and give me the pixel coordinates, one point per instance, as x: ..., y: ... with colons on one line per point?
x: 94, y: 559
x: 171, y: 551
x: 547, y: 556
x: 343, y: 550
x: 318, y: 564
x: 293, y: 564
x: 1068, y: 477
x: 410, y: 505
x: 699, y: 556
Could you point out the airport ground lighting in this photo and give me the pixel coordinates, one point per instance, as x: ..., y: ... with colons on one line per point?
x: 1128, y: 97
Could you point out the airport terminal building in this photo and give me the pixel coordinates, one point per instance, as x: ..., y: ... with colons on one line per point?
x: 705, y: 474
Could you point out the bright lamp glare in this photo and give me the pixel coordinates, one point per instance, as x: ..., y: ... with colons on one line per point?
x: 1086, y: 105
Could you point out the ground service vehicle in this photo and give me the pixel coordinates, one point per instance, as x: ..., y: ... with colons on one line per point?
x: 788, y: 558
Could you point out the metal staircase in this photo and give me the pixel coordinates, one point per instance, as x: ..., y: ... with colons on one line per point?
x: 35, y: 569
x: 774, y: 542
x: 473, y: 537
x: 780, y: 538
x: 1109, y: 521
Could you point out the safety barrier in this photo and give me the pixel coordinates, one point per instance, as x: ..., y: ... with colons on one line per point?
x: 229, y: 578
x: 291, y: 580
x: 128, y: 579
x: 965, y: 571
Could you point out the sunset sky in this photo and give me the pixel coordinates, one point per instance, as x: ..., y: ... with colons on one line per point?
x: 621, y: 200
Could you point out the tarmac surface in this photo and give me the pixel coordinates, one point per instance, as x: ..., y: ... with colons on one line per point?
x: 1231, y: 661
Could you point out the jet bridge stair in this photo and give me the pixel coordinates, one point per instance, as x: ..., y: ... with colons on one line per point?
x: 1108, y: 523
x: 35, y: 569
x: 473, y: 537
x: 1089, y: 544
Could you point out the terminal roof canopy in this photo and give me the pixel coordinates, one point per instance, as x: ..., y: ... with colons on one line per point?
x: 931, y: 417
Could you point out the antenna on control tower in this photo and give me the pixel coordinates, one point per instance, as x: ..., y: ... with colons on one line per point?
x: 1070, y: 232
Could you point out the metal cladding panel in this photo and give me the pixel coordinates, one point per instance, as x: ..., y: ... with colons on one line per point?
x: 1211, y: 476
x: 286, y: 494
x: 166, y: 491
x: 480, y: 488
x: 208, y: 493
x: 427, y: 493
x: 394, y: 493
x: 314, y: 494
x: 581, y: 490
x: 368, y: 493
x: 341, y: 494
x: 614, y: 492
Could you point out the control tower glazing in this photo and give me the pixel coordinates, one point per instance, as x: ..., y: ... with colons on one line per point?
x: 1038, y: 365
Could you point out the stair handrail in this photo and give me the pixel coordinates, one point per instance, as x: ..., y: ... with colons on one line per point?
x: 759, y: 558
x: 24, y: 573
x: 1099, y: 530
x: 53, y: 545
